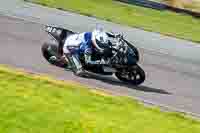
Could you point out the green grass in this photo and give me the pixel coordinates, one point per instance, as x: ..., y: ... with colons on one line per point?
x: 165, y: 22
x: 35, y: 104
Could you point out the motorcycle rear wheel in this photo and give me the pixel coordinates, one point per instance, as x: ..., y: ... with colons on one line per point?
x: 49, y: 50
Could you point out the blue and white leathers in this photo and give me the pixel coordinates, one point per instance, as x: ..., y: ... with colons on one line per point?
x: 80, y: 42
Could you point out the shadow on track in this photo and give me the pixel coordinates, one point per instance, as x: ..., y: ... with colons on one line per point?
x: 113, y: 81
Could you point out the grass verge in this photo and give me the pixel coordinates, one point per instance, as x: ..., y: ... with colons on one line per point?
x: 36, y: 104
x: 165, y: 22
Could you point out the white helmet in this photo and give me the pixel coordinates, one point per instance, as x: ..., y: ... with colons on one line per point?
x: 101, y: 37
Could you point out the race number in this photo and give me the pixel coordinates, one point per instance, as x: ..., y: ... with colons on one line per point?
x: 53, y: 30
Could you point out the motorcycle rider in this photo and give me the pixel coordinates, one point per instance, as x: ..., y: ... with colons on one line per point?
x: 86, y: 43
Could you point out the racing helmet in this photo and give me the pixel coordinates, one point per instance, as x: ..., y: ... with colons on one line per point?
x: 101, y: 37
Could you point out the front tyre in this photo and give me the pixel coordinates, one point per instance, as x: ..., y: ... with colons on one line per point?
x: 134, y: 75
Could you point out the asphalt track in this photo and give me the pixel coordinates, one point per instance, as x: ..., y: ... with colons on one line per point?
x: 171, y: 81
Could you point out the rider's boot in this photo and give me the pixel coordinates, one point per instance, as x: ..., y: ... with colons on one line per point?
x: 75, y: 65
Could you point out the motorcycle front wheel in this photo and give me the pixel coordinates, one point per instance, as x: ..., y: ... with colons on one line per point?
x: 134, y: 75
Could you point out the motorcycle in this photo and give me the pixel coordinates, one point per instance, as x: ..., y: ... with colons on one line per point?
x: 121, y: 55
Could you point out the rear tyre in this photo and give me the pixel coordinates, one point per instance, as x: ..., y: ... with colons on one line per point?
x: 49, y: 50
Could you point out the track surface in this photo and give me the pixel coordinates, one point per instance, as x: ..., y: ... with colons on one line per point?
x: 170, y: 80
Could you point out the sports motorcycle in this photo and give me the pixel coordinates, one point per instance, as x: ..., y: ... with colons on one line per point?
x: 121, y: 56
